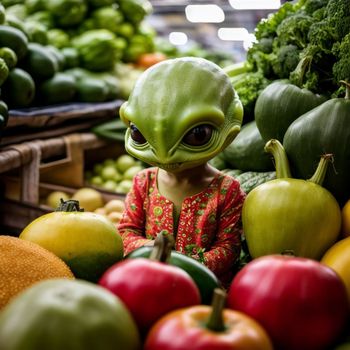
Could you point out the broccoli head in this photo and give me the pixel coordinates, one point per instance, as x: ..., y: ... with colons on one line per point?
x: 338, y: 14
x: 341, y: 69
x: 313, y: 71
x: 248, y: 89
x: 310, y: 6
x: 322, y: 34
x: 294, y: 30
x: 267, y: 27
x: 285, y: 60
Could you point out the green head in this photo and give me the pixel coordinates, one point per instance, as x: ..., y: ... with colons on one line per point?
x: 181, y: 113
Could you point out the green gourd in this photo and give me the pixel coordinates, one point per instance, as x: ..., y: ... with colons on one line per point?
x: 325, y: 129
x: 246, y: 152
x: 289, y: 214
x: 279, y: 104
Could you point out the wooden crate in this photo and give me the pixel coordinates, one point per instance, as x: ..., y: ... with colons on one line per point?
x: 29, y: 171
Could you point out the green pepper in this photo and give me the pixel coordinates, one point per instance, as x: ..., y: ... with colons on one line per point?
x: 135, y: 10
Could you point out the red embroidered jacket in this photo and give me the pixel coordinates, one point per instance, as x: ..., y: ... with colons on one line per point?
x: 210, y: 220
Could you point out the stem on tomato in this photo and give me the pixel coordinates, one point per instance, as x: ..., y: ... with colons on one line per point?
x: 216, y: 320
x: 69, y: 205
x: 281, y: 161
x: 163, y: 245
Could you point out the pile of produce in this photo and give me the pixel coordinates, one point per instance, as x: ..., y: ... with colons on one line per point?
x: 300, y: 63
x: 181, y: 306
x: 60, y: 51
x: 114, y: 175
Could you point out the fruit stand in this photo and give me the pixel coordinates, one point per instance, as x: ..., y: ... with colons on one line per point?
x: 71, y: 151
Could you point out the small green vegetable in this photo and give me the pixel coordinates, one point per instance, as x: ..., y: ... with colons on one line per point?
x: 67, y: 13
x: 98, y: 49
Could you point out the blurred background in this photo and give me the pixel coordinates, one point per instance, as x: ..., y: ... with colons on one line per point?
x: 225, y: 26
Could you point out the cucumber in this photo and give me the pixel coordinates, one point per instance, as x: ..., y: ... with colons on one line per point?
x: 205, y: 279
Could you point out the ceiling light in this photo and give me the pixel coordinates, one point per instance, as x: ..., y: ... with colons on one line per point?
x: 255, y: 4
x: 204, y: 14
x: 233, y: 34
x: 178, y: 38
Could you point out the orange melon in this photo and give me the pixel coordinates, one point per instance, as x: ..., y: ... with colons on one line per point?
x: 23, y: 263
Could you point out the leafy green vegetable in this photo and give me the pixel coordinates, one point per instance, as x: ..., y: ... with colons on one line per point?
x: 67, y: 13
x: 248, y: 88
x: 285, y: 61
x: 294, y: 30
x: 98, y: 49
x: 58, y: 38
x: 107, y: 17
x: 341, y: 69
x: 302, y: 42
x: 338, y: 14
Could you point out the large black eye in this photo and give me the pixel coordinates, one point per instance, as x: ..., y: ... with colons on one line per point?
x: 136, y: 134
x: 199, y: 135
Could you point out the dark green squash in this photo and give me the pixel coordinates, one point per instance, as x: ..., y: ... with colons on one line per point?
x: 325, y: 129
x: 279, y: 104
x: 246, y: 152
x: 205, y: 279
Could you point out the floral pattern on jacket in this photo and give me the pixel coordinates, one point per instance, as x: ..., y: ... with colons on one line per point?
x: 209, y: 224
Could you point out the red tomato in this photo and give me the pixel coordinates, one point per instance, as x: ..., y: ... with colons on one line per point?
x: 300, y: 302
x: 185, y: 329
x: 150, y: 289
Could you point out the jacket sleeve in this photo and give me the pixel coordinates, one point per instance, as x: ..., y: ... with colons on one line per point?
x: 132, y: 225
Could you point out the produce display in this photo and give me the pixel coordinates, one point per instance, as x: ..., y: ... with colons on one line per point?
x: 66, y: 282
x: 61, y: 51
x: 114, y: 175
x: 301, y: 68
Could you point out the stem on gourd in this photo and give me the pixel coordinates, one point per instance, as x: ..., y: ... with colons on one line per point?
x: 274, y: 147
x: 216, y: 320
x: 347, y: 89
x: 69, y: 205
x: 321, y: 170
x: 163, y: 245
